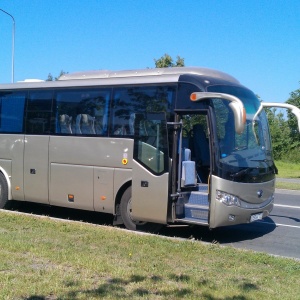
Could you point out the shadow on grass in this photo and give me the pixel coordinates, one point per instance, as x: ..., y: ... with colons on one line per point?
x: 222, y: 235
x: 62, y: 213
x: 119, y: 288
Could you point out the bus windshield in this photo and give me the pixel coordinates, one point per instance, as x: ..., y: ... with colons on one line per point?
x: 245, y: 157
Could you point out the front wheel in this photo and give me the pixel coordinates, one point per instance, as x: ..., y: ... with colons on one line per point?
x: 3, y: 191
x: 131, y: 224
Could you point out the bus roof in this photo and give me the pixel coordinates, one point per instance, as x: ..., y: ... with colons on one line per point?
x: 108, y: 78
x: 149, y: 72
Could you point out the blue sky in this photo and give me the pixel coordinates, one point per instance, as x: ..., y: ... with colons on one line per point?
x: 256, y: 41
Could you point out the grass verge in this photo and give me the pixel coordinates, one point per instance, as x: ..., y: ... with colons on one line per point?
x: 287, y: 185
x: 47, y: 259
x: 288, y: 170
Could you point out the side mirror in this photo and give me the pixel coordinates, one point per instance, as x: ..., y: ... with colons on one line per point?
x: 235, y: 104
x: 294, y: 109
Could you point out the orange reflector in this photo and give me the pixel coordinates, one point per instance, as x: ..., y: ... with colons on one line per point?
x: 193, y: 97
x: 103, y: 198
x: 70, y: 198
x: 244, y: 115
x: 17, y: 188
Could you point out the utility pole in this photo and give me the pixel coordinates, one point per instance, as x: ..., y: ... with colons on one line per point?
x: 13, y: 46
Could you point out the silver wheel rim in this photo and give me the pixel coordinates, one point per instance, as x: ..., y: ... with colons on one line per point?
x: 129, y: 210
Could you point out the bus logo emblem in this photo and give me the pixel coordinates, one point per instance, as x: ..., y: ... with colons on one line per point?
x: 260, y: 193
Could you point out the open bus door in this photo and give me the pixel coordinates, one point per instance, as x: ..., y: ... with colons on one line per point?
x: 195, y: 204
x: 192, y: 154
x: 150, y: 179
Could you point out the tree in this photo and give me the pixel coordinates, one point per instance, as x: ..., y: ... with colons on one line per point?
x: 166, y: 61
x: 285, y: 132
x: 51, y: 78
x: 280, y: 133
x: 292, y: 121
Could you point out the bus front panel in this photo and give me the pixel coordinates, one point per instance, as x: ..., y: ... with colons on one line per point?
x: 237, y: 203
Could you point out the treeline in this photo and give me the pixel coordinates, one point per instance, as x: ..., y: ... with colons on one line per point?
x: 285, y: 132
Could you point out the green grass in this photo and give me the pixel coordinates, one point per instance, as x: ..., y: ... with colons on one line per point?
x: 46, y: 259
x: 287, y: 185
x: 288, y: 170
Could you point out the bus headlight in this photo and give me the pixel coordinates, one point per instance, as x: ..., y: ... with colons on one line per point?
x: 228, y: 199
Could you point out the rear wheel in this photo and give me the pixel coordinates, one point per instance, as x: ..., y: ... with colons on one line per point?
x: 3, y: 191
x: 131, y: 224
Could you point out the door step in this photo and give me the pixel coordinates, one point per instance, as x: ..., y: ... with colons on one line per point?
x: 199, y: 212
x: 193, y: 207
x: 197, y: 198
x: 188, y: 221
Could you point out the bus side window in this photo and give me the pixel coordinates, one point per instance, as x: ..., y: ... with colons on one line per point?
x: 38, y: 112
x: 128, y: 101
x: 121, y: 113
x: 82, y: 111
x: 12, y: 112
x: 101, y: 124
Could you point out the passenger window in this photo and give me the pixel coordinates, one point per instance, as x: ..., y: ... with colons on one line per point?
x: 12, y: 106
x: 39, y: 110
x: 82, y: 112
x: 151, y: 148
x: 127, y: 102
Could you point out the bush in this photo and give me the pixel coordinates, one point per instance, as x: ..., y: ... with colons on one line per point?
x: 292, y: 156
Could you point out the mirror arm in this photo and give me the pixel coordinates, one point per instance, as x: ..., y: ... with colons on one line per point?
x: 236, y: 106
x: 294, y: 109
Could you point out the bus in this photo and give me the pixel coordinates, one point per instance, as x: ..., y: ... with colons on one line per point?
x: 151, y: 147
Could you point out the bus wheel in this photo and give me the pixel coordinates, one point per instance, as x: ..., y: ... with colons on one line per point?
x: 126, y: 216
x: 3, y: 191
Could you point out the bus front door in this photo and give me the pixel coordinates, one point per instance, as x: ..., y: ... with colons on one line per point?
x: 150, y: 179
x: 194, y: 168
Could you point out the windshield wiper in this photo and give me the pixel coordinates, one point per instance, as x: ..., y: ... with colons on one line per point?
x: 240, y: 173
x: 259, y: 159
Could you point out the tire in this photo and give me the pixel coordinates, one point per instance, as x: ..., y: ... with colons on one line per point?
x: 126, y: 216
x: 3, y: 191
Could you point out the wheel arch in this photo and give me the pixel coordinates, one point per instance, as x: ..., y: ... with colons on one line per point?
x: 117, y: 213
x: 7, y: 178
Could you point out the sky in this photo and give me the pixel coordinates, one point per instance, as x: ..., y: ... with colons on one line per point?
x: 256, y: 41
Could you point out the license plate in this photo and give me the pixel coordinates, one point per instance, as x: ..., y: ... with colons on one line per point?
x: 256, y: 217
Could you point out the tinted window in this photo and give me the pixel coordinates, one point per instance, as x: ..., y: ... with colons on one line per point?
x: 82, y: 111
x: 12, y: 112
x: 128, y: 102
x: 150, y: 144
x: 39, y: 110
x: 244, y: 157
x: 141, y: 112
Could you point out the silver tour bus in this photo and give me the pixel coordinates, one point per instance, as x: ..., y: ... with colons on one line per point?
x: 151, y: 147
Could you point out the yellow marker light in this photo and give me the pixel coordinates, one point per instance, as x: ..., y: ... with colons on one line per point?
x: 124, y: 161
x: 17, y: 188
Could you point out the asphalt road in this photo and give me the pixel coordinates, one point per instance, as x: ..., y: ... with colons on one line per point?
x: 278, y: 234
